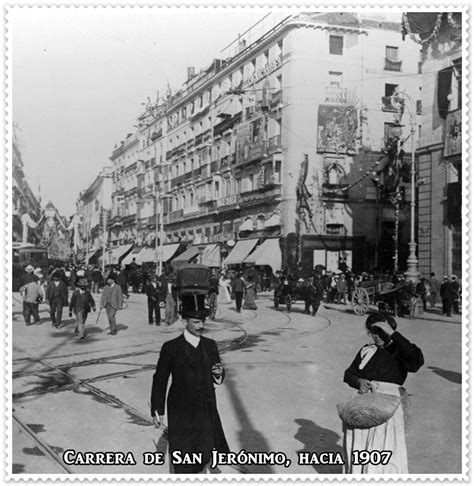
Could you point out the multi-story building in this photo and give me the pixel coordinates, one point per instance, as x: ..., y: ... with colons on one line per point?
x: 440, y: 144
x: 274, y: 142
x: 93, y: 215
x: 25, y: 205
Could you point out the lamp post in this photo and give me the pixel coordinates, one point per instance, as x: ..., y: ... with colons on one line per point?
x: 412, y: 273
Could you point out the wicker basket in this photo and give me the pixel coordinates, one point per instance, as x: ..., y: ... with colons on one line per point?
x: 368, y: 410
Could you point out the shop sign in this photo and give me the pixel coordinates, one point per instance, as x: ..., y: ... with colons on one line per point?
x: 263, y: 71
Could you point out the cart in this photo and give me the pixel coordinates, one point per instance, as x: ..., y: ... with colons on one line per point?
x: 196, y: 280
x: 365, y: 294
x: 389, y: 298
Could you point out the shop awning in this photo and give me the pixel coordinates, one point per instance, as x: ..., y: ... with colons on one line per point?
x: 247, y: 225
x: 268, y: 253
x: 146, y: 255
x: 187, y: 255
x: 240, y: 251
x: 211, y: 256
x: 273, y: 220
x: 133, y: 254
x: 168, y: 251
x: 113, y: 255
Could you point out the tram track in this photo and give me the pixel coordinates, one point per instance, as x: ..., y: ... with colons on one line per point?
x: 71, y: 382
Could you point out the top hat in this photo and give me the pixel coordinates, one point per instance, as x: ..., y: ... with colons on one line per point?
x: 193, y: 306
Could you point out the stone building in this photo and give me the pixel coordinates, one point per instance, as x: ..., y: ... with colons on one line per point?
x: 276, y: 143
x: 440, y: 145
x: 93, y: 215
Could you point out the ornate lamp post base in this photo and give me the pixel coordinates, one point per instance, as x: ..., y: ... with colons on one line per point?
x: 412, y: 274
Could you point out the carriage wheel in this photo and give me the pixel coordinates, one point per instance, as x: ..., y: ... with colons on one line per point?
x: 276, y: 300
x: 288, y: 302
x: 360, y: 301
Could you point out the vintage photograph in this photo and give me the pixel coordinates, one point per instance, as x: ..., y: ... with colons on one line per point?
x: 237, y: 242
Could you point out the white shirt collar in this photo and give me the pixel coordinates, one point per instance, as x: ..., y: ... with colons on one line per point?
x: 191, y: 339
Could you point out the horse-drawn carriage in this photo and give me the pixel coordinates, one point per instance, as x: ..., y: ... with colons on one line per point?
x: 195, y: 281
x: 390, y: 298
x: 290, y: 290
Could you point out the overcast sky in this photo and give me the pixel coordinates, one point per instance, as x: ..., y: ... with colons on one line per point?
x: 80, y: 76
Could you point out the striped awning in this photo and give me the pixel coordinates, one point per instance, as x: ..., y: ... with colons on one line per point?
x: 240, y: 251
x: 268, y: 253
x: 113, y: 255
x: 187, y: 255
x: 211, y: 255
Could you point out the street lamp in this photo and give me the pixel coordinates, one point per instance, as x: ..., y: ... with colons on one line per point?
x: 412, y: 273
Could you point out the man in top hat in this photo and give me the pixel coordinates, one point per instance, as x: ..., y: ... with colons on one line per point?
x: 111, y: 300
x: 193, y: 361
x: 57, y: 297
x: 81, y: 302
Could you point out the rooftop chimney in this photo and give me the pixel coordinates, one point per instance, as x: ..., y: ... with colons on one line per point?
x: 191, y: 72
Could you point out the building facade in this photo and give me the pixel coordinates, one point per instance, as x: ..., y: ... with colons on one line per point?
x: 440, y: 144
x: 93, y: 217
x: 278, y: 140
x: 26, y: 208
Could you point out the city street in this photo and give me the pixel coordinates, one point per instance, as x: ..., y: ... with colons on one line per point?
x: 284, y: 379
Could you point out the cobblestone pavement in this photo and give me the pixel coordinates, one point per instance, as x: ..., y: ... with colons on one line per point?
x: 284, y: 378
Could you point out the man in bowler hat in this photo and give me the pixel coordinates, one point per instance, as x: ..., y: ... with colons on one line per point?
x: 111, y: 300
x: 57, y: 297
x: 81, y: 303
x: 193, y: 361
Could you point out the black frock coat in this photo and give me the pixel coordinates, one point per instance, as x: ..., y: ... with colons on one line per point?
x: 194, y: 424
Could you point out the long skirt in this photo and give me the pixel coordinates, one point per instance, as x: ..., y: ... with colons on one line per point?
x: 223, y: 297
x: 389, y: 436
x: 249, y: 302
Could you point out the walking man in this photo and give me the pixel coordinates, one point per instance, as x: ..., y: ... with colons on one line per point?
x: 446, y: 297
x: 155, y: 297
x: 57, y: 297
x: 435, y: 287
x: 32, y: 294
x: 111, y: 300
x: 238, y: 288
x: 193, y: 361
x: 81, y: 302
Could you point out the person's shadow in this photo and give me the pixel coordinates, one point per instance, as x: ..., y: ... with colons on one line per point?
x: 317, y: 439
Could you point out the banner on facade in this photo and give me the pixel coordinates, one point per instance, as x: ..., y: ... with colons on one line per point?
x: 453, y: 139
x: 337, y: 129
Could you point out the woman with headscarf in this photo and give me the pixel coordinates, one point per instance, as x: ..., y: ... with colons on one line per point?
x: 381, y: 368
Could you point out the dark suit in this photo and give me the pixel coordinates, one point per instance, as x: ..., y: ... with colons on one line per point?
x: 81, y: 303
x: 193, y: 420
x: 155, y: 295
x: 238, y: 289
x: 56, y: 295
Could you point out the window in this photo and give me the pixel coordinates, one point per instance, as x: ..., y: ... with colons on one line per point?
x: 387, y: 100
x: 334, y: 90
x: 392, y: 61
x: 335, y: 79
x: 335, y: 44
x: 390, y: 89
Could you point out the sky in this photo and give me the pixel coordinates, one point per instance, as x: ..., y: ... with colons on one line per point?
x: 80, y: 76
